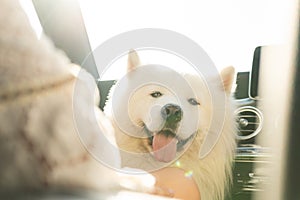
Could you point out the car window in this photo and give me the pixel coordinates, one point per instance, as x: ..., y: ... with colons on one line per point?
x: 228, y: 30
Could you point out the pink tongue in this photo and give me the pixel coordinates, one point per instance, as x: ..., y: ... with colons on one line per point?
x: 164, y: 147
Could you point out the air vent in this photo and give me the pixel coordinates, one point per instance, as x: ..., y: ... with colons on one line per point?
x: 249, y: 120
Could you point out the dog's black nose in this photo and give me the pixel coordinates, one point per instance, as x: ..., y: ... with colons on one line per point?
x: 171, y: 112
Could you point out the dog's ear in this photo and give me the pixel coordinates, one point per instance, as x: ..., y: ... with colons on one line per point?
x: 227, y: 76
x: 133, y: 60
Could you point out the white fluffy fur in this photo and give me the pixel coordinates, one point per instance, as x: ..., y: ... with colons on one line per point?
x: 40, y: 147
x: 43, y: 103
x: 212, y: 173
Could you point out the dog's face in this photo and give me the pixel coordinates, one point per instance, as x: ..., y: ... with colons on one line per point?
x: 169, y: 114
x: 170, y: 118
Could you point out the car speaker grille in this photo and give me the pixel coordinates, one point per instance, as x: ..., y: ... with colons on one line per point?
x: 249, y: 122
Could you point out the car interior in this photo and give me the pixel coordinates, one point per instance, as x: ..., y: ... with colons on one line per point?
x: 254, y: 156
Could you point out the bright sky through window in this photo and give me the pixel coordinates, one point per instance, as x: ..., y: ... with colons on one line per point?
x: 228, y: 30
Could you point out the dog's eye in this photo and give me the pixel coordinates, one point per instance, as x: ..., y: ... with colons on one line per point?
x: 156, y: 94
x: 193, y: 101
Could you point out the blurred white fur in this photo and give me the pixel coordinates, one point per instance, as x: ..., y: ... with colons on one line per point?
x: 40, y: 147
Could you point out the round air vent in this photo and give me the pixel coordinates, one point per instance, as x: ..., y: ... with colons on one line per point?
x: 250, y: 121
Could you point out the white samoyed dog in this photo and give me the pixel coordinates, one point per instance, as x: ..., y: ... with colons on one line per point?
x: 163, y: 118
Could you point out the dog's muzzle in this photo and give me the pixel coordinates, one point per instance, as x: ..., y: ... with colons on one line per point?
x: 172, y: 113
x: 164, y: 142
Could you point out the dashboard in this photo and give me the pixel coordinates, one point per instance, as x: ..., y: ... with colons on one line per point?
x: 252, y: 156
